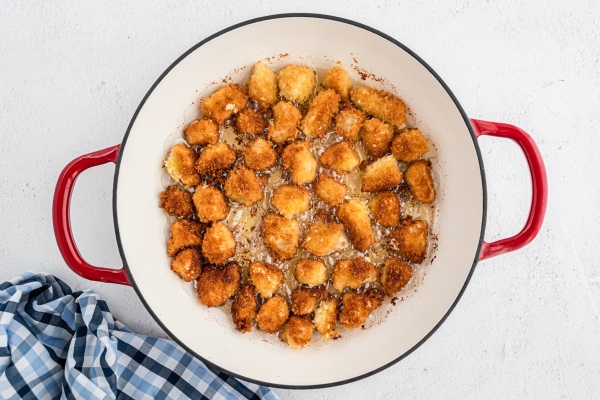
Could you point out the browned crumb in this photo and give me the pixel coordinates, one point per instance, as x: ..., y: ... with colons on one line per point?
x: 297, y: 332
x: 330, y: 190
x: 296, y: 83
x: 376, y: 137
x: 325, y: 318
x: 310, y: 272
x: 358, y: 306
x: 215, y: 157
x: 380, y: 104
x: 273, y: 314
x: 385, y: 208
x: 217, y: 284
x: 338, y: 79
x: 280, y: 236
x: 180, y: 165
x: 354, y: 214
x: 250, y: 122
x: 262, y: 86
x: 210, y: 203
x: 409, y: 240
x: 320, y: 114
x: 380, y: 175
x: 304, y: 300
x: 352, y: 273
x: 323, y: 238
x: 201, y: 132
x: 341, y: 157
x: 298, y: 159
x: 219, y: 244
x: 284, y: 127
x: 259, y: 154
x: 243, y: 309
x: 184, y: 233
x: 409, y: 145
x: 395, y: 275
x: 224, y: 102
x: 243, y: 186
x: 187, y: 264
x: 290, y: 200
x: 267, y: 278
x: 176, y: 202
x: 420, y: 182
x: 348, y: 122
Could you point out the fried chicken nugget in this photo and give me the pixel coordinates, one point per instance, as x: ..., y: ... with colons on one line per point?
x: 243, y: 309
x: 420, y: 182
x: 330, y: 190
x: 187, y: 264
x: 380, y: 104
x: 217, y: 284
x: 290, y: 200
x: 284, y: 127
x: 250, y: 122
x: 341, y: 157
x: 355, y: 216
x: 224, y: 102
x: 259, y: 154
x: 280, y: 236
x: 243, y: 186
x: 409, y: 239
x: 184, y: 233
x: 337, y: 78
x: 219, y: 243
x: 320, y: 114
x: 297, y: 332
x: 352, y: 273
x: 267, y: 278
x: 298, y: 159
x: 176, y: 202
x: 273, y: 314
x: 358, y: 306
x: 180, y: 165
x: 304, y: 300
x: 310, y: 272
x: 323, y: 238
x: 380, y: 175
x: 376, y: 137
x: 262, y: 86
x: 348, y: 122
x: 210, y: 203
x: 215, y: 157
x: 326, y: 316
x: 409, y: 145
x: 296, y: 83
x: 201, y: 132
x: 385, y: 208
x: 395, y: 275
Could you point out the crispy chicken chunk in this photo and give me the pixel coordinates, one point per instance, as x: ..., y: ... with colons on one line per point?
x: 184, y: 233
x: 262, y: 86
x: 176, y: 202
x: 320, y: 114
x: 297, y: 332
x: 210, y: 203
x: 298, y: 159
x: 385, y: 208
x: 380, y: 104
x: 250, y: 122
x: 304, y: 300
x: 395, y: 275
x: 310, y: 272
x: 420, y: 182
x: 267, y: 278
x: 380, y: 175
x: 217, y: 284
x: 201, y: 132
x: 325, y: 318
x: 296, y: 83
x: 338, y: 79
x: 219, y: 243
x: 243, y: 309
x: 355, y: 216
x: 348, y: 122
x: 259, y: 154
x: 341, y: 157
x: 322, y: 238
x: 352, y: 273
x: 215, y: 157
x: 284, y: 127
x: 409, y: 145
x: 358, y: 306
x: 224, y: 102
x: 243, y: 186
x: 409, y: 240
x: 290, y: 200
x: 187, y: 264
x: 273, y: 314
x: 280, y: 236
x: 180, y: 165
x: 330, y: 190
x: 376, y: 137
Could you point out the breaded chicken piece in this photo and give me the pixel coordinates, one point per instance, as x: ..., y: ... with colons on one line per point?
x: 376, y: 137
x: 184, y: 233
x: 395, y: 275
x: 352, y: 273
x: 330, y: 190
x: 262, y: 86
x: 243, y: 309
x: 273, y: 314
x: 187, y: 264
x: 201, y: 132
x: 217, y: 284
x: 409, y: 240
x: 338, y: 79
x: 280, y: 236
x: 310, y: 272
x: 297, y: 332
x: 290, y: 200
x: 296, y: 83
x: 326, y: 316
x: 409, y: 145
x: 180, y: 165
x: 224, y: 102
x: 259, y: 154
x: 380, y: 175
x: 420, y: 182
x: 298, y: 159
x: 355, y: 216
x: 210, y: 203
x: 341, y: 157
x: 267, y: 278
x: 215, y: 157
x: 323, y: 238
x: 348, y: 122
x: 380, y: 104
x: 250, y: 122
x: 358, y: 306
x: 284, y: 127
x: 243, y: 186
x: 219, y: 243
x: 176, y: 202
x: 385, y: 208
x: 320, y: 114
x: 304, y: 300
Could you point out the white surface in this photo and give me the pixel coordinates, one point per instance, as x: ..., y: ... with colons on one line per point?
x: 528, y: 325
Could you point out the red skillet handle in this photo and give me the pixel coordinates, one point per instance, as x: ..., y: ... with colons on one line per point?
x: 539, y: 187
x: 62, y: 221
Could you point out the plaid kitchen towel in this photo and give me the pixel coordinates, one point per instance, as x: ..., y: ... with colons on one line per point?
x: 56, y: 343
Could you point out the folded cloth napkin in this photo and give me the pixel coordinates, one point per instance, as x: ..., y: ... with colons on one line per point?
x: 56, y: 343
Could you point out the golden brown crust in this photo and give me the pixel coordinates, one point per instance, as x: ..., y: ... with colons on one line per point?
x: 273, y: 314
x: 409, y: 239
x: 284, y: 127
x: 259, y: 154
x: 395, y: 275
x: 210, y: 203
x: 323, y: 238
x: 376, y: 137
x: 243, y: 186
x: 385, y: 208
x: 326, y: 316
x: 409, y: 145
x: 310, y: 272
x: 290, y: 200
x: 176, y: 202
x: 280, y: 236
x: 180, y: 165
x: 187, y: 264
x: 304, y: 300
x: 352, y: 273
x: 184, y: 233
x: 215, y: 157
x: 250, y: 122
x: 224, y: 102
x: 341, y: 157
x: 328, y: 189
x: 358, y: 306
x: 217, y: 284
x: 296, y: 83
x: 320, y: 114
x: 338, y: 79
x: 380, y: 104
x: 348, y: 122
x: 354, y: 214
x: 201, y: 132
x: 243, y: 309
x: 420, y: 182
x: 267, y: 278
x: 262, y: 86
x: 297, y: 332
x: 299, y: 160
x: 219, y: 243
x: 380, y: 175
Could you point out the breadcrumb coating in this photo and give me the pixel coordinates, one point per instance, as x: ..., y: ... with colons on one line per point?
x: 409, y: 145
x: 337, y: 78
x: 290, y: 200
x: 358, y: 306
x: 280, y: 236
x: 187, y: 264
x: 297, y: 332
x: 380, y: 104
x: 376, y: 137
x: 176, y: 202
x: 219, y: 243
x: 320, y: 114
x: 215, y: 157
x: 385, y: 208
x: 259, y: 154
x: 380, y: 175
x: 250, y: 122
x: 201, y: 132
x: 409, y: 240
x: 304, y: 300
x: 299, y: 160
x: 354, y: 214
x: 395, y: 275
x: 348, y: 122
x: 324, y: 237
x: 184, y: 233
x: 262, y: 86
x: 243, y: 186
x: 341, y: 157
x: 244, y: 308
x: 420, y: 182
x: 352, y: 273
x: 267, y: 278
x: 296, y: 83
x: 328, y: 189
x: 210, y: 203
x: 326, y: 316
x: 224, y: 102
x: 273, y: 314
x: 217, y: 284
x: 310, y: 272
x: 284, y: 127
x: 180, y: 165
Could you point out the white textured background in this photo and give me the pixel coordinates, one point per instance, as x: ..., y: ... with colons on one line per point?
x: 72, y: 74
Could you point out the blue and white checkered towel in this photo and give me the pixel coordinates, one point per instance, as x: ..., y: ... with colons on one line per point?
x: 56, y: 343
